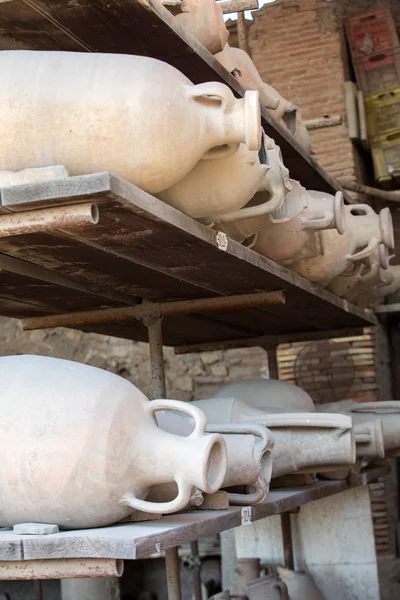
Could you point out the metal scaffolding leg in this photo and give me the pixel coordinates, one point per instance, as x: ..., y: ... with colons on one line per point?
x: 194, y: 547
x: 154, y: 328
x: 172, y: 564
x: 287, y: 540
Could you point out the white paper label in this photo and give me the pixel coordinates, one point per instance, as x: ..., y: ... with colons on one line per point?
x: 246, y: 515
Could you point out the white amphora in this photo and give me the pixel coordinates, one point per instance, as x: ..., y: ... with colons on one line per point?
x: 272, y: 395
x: 284, y: 241
x: 81, y: 446
x: 365, y: 230
x: 134, y: 116
x: 303, y: 442
x: 249, y: 460
x: 388, y: 412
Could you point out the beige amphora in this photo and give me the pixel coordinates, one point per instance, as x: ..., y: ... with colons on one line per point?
x: 361, y: 275
x: 249, y: 456
x: 134, y: 116
x: 389, y: 283
x: 81, y: 446
x: 245, y: 224
x: 285, y: 241
x: 300, y: 585
x: 204, y: 19
x: 215, y: 187
x: 365, y: 230
x: 303, y: 442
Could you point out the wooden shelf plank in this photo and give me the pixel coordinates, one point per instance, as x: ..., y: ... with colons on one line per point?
x: 158, y: 254
x: 141, y: 540
x: 146, y: 28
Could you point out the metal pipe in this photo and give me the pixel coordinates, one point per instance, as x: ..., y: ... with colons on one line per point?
x: 172, y: 565
x: 158, y: 384
x: 37, y: 586
x: 287, y: 540
x: 148, y: 310
x: 393, y: 196
x: 61, y: 568
x: 230, y: 6
x: 322, y: 122
x: 194, y: 548
x: 60, y: 217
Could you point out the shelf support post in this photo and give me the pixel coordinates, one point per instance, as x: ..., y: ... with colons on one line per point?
x: 287, y: 541
x: 273, y: 369
x: 172, y: 565
x: 152, y: 318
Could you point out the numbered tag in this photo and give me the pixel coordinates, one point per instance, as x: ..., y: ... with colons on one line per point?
x: 246, y: 515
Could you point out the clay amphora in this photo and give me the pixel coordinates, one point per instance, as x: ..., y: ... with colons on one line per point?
x: 360, y: 275
x: 215, y: 187
x: 269, y: 394
x: 81, y: 446
x: 390, y: 286
x: 375, y: 272
x: 205, y: 21
x: 249, y: 459
x: 302, y: 441
x: 301, y: 586
x: 134, y: 116
x: 269, y: 587
x: 269, y: 199
x: 365, y: 230
x: 239, y: 63
x: 364, y: 412
x: 247, y: 569
x: 284, y: 241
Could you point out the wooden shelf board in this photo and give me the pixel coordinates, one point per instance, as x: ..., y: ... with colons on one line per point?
x: 141, y: 540
x: 142, y: 27
x: 143, y: 248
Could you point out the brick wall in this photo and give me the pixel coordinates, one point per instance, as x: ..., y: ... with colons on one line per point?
x: 331, y: 370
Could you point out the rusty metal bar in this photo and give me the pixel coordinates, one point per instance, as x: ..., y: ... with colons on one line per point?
x: 61, y: 568
x: 185, y: 307
x: 60, y: 217
x: 172, y: 565
x: 287, y: 541
x: 393, y: 196
x: 273, y: 368
x: 194, y: 548
x: 323, y: 122
x: 158, y: 384
x: 37, y: 586
x: 148, y: 310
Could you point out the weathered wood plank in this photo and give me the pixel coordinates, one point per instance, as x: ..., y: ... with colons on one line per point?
x: 143, y: 247
x: 141, y: 540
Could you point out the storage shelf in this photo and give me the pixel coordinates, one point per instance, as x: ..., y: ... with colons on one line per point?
x: 143, y: 248
x: 142, y: 27
x: 142, y: 540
